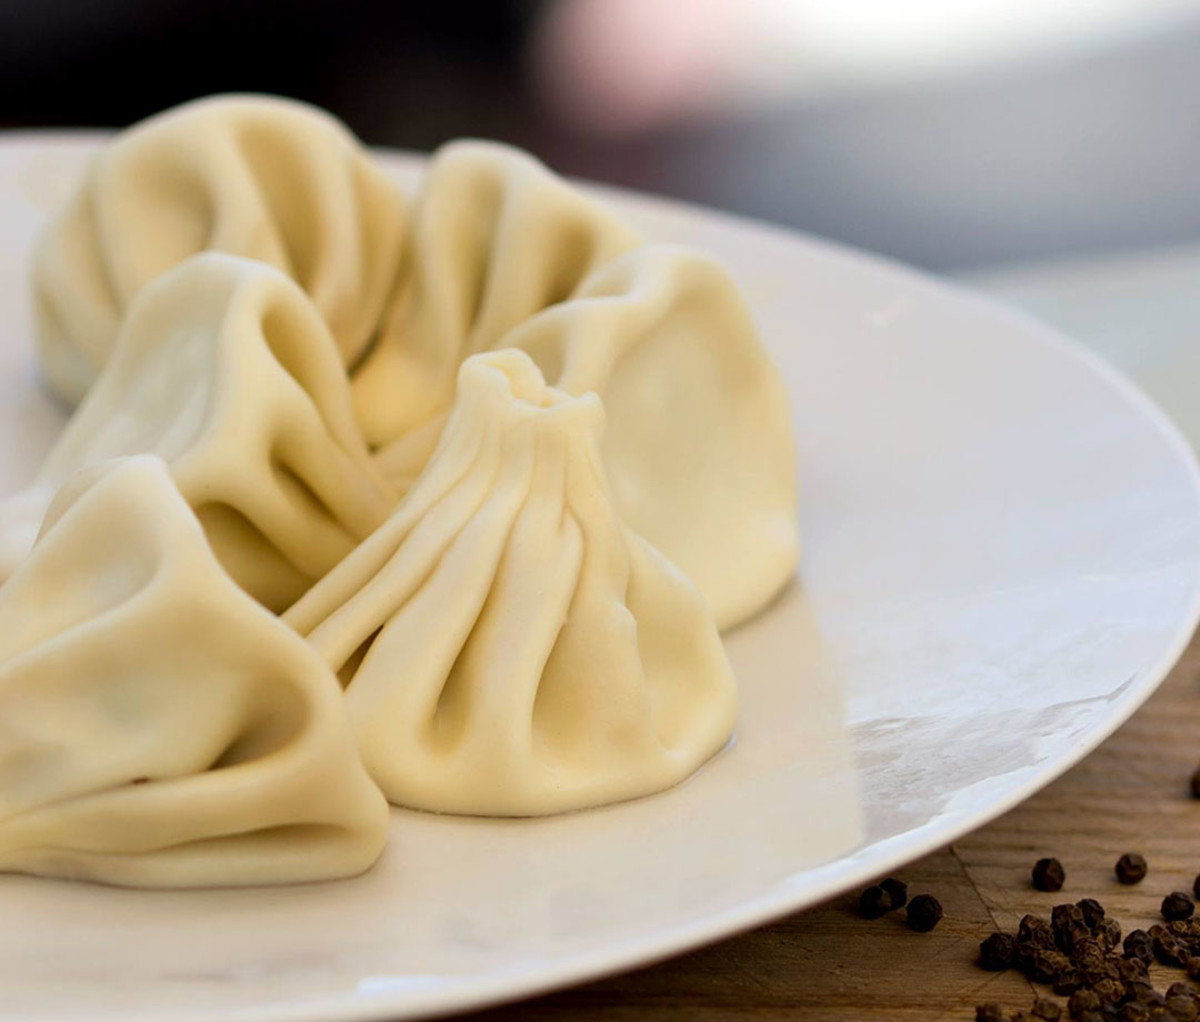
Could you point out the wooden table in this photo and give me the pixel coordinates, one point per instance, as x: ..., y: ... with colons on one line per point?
x: 827, y: 963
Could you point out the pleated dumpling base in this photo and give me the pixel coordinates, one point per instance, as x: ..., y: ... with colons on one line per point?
x: 255, y: 176
x: 225, y: 370
x: 158, y: 728
x: 510, y: 647
x: 495, y: 238
x: 698, y: 447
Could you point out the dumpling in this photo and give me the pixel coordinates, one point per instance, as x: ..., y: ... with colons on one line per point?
x: 699, y: 446
x: 495, y: 237
x: 510, y: 647
x: 269, y: 179
x: 224, y: 369
x: 158, y: 728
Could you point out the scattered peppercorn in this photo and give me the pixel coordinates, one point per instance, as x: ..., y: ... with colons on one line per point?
x: 1139, y: 944
x: 1046, y: 1009
x: 1035, y: 932
x: 1070, y: 926
x: 990, y: 1012
x: 1131, y: 868
x: 1167, y: 947
x: 1081, y: 1001
x: 1048, y: 875
x: 1182, y: 1008
x: 1145, y: 994
x: 1110, y: 991
x: 1067, y: 983
x: 924, y: 913
x: 1092, y: 911
x: 874, y: 902
x: 1046, y: 966
x: 1196, y: 784
x: 1108, y: 932
x: 997, y: 952
x: 898, y: 890
x: 1132, y: 1011
x: 1177, y: 905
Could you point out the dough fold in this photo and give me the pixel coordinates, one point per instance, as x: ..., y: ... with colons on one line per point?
x: 495, y: 237
x: 225, y: 370
x: 158, y: 728
x: 255, y: 176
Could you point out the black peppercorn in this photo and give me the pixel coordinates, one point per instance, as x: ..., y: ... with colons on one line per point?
x: 1131, y: 868
x: 1110, y: 991
x: 1034, y: 932
x: 1167, y: 947
x: 1134, y: 1012
x: 1093, y: 911
x: 990, y: 1012
x: 1196, y: 784
x: 1069, y: 925
x: 1046, y: 966
x: 1067, y: 983
x: 924, y: 913
x: 1132, y: 970
x: 1046, y: 1009
x: 874, y: 902
x: 1177, y: 905
x: 898, y: 890
x: 1182, y: 1007
x: 1108, y: 932
x: 997, y: 952
x: 1048, y: 875
x: 1145, y: 994
x: 1139, y: 944
x: 1081, y: 1001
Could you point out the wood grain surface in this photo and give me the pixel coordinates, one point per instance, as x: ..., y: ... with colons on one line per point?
x: 827, y: 963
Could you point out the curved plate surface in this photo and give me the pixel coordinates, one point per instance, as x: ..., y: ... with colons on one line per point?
x: 1002, y: 557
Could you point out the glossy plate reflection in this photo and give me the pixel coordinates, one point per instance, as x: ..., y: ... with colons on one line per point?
x: 1002, y: 561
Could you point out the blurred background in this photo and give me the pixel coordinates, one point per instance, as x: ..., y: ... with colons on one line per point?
x: 956, y: 134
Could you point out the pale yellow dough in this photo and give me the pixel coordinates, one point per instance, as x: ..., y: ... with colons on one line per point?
x: 495, y: 237
x: 224, y: 368
x: 510, y: 646
x: 266, y: 178
x: 699, y: 445
x: 158, y: 728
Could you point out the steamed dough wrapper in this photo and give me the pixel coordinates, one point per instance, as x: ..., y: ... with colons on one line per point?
x: 269, y: 179
x: 495, y: 237
x: 158, y: 728
x: 698, y: 446
x: 510, y: 647
x: 224, y: 369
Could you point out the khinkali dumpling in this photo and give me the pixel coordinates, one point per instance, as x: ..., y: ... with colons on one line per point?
x: 224, y: 369
x: 158, y: 728
x: 265, y: 178
x: 494, y: 238
x: 510, y: 646
x: 698, y: 447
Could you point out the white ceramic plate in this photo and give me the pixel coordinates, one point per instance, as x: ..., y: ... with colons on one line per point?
x: 1002, y: 561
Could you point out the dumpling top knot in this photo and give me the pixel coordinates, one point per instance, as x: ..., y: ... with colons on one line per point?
x: 508, y: 645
